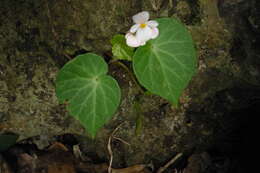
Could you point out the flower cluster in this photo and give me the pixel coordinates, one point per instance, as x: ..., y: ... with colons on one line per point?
x: 142, y: 31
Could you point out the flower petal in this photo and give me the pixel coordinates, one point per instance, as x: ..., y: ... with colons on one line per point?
x: 144, y: 34
x: 152, y: 23
x: 131, y: 40
x: 134, y: 28
x: 141, y: 17
x: 142, y: 43
x: 155, y: 33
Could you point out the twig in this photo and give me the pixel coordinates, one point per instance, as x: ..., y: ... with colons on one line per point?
x: 109, y: 170
x: 121, y: 140
x: 169, y: 163
x: 67, y: 56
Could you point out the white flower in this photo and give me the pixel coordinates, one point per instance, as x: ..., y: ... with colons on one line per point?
x: 142, y: 31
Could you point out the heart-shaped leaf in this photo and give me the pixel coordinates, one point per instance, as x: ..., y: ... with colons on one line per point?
x: 92, y: 96
x: 166, y: 64
x: 120, y: 49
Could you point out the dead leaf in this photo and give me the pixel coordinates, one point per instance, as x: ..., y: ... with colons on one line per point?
x: 4, y: 167
x: 57, y: 159
x: 93, y: 168
x: 58, y: 146
x: 61, y: 168
x: 102, y: 168
x: 132, y: 169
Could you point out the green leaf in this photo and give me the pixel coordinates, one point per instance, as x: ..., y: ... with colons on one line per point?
x: 92, y: 96
x: 7, y: 140
x: 166, y: 64
x: 120, y: 49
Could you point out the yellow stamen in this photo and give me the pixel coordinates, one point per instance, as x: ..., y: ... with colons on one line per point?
x: 143, y: 25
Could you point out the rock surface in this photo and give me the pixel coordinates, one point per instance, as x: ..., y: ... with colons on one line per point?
x: 38, y: 37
